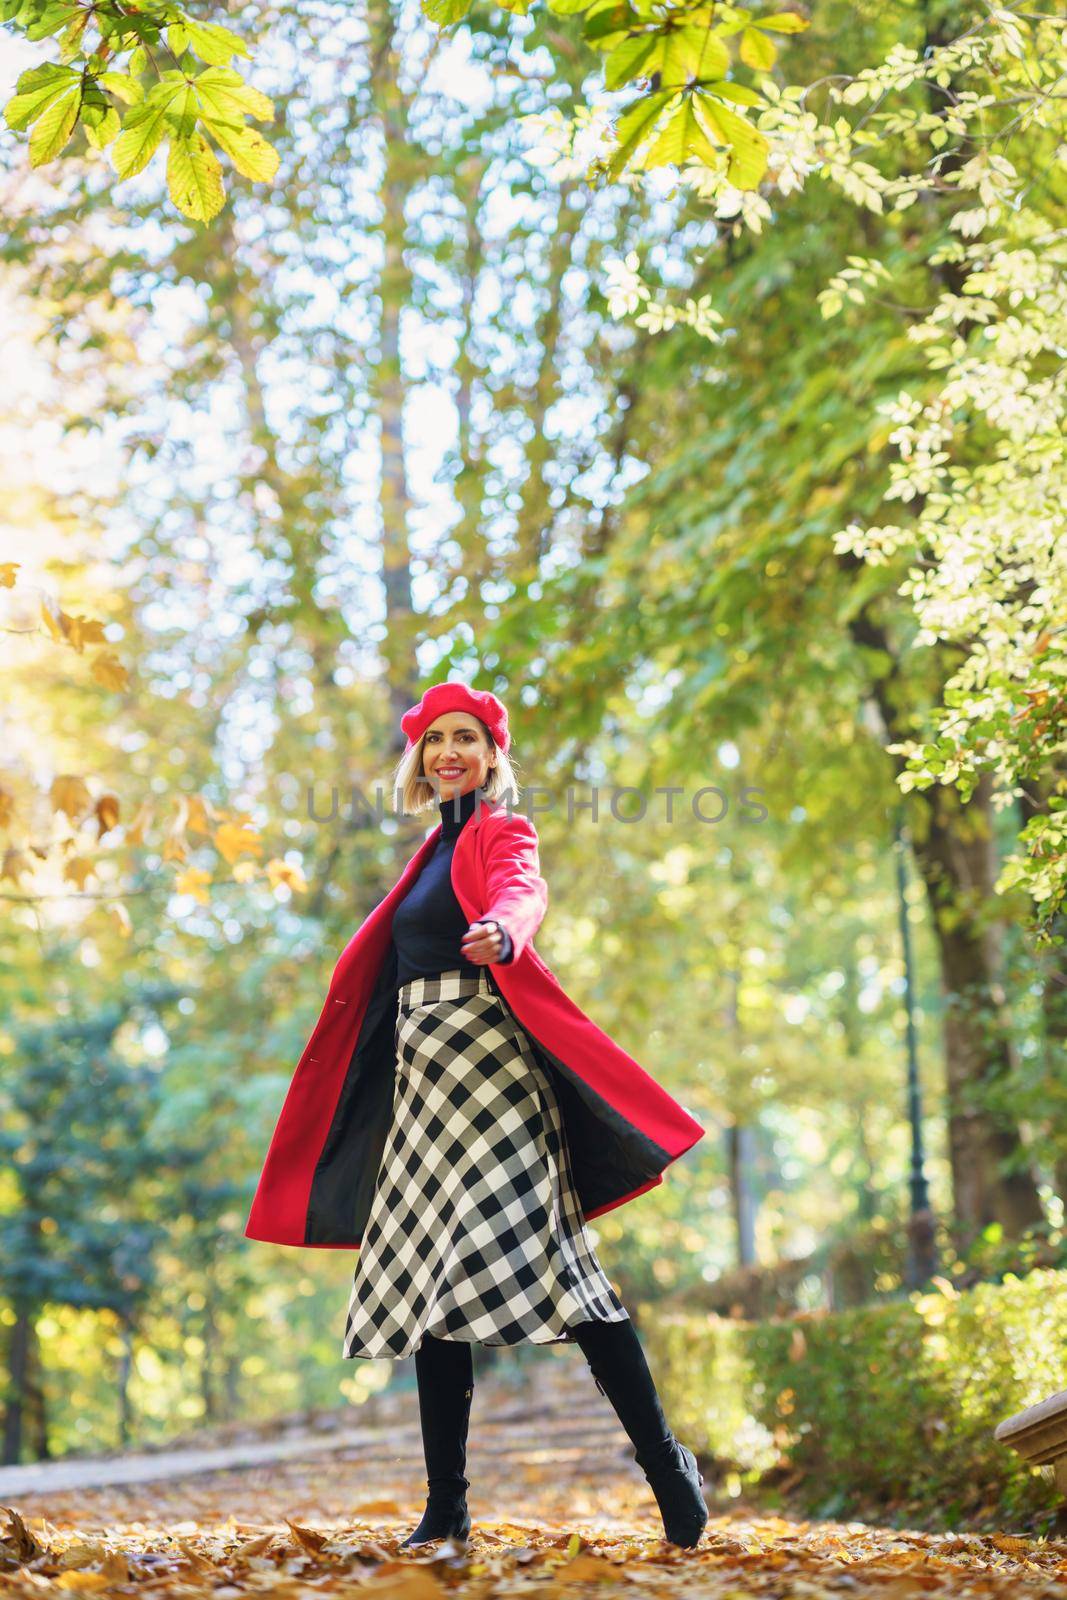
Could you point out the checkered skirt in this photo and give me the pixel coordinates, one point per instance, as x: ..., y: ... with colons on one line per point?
x: 475, y: 1232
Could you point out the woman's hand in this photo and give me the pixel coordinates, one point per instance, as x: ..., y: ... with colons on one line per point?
x: 482, y: 943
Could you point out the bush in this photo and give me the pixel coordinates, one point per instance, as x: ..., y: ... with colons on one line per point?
x: 890, y: 1404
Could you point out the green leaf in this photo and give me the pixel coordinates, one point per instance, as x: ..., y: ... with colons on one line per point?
x: 213, y: 43
x: 39, y: 77
x: 709, y: 55
x: 124, y: 88
x: 784, y: 22
x: 230, y: 98
x: 26, y: 108
x: 726, y: 89
x: 51, y: 20
x: 634, y: 126
x: 138, y: 61
x: 569, y: 8
x: 757, y: 51
x: 106, y: 129
x: 178, y: 38
x: 183, y: 112
x: 606, y: 22
x: 748, y: 147
x: 676, y: 60
x: 54, y: 127
x: 682, y: 139
x: 686, y: 54
x: 246, y: 148
x: 627, y: 59
x: 139, y: 139
x: 194, y: 178
x: 734, y: 21
x: 445, y: 12
x: 72, y: 33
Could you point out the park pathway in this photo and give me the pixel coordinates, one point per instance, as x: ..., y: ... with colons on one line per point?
x: 559, y: 1509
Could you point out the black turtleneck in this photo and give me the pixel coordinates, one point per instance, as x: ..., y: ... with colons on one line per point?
x: 429, y: 923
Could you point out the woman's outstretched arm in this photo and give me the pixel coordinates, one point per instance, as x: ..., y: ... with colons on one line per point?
x: 517, y: 893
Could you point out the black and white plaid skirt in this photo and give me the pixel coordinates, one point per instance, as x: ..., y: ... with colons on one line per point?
x: 475, y: 1232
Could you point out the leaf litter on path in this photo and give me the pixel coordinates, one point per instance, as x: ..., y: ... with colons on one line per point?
x: 584, y: 1524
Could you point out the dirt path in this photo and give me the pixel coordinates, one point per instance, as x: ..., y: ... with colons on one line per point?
x: 557, y: 1504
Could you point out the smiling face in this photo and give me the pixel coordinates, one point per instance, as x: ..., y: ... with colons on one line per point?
x: 457, y: 753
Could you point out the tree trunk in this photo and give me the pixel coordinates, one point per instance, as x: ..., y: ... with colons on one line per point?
x: 398, y: 181
x: 957, y: 859
x: 1052, y: 964
x: 208, y: 1391
x: 740, y: 1147
x: 955, y: 854
x: 123, y: 1385
x: 18, y: 1349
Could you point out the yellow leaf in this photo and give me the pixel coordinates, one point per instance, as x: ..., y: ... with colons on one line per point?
x: 81, y: 1554
x: 194, y: 881
x: 199, y: 814
x: 7, y: 806
x: 107, y: 814
x: 1010, y: 1546
x: 84, y: 1580
x: 174, y: 848
x: 77, y: 870
x: 244, y: 871
x: 8, y: 570
x: 16, y: 865
x: 584, y: 1568
x: 83, y: 630
x: 53, y: 621
x: 139, y: 139
x: 54, y: 127
x: 122, y: 918
x: 748, y: 146
x: 246, y: 148
x: 785, y: 22
x: 233, y: 838
x: 194, y: 177
x: 310, y: 1538
x: 135, y: 830
x: 756, y: 50
x: 279, y: 871
x: 70, y: 794
x: 108, y: 670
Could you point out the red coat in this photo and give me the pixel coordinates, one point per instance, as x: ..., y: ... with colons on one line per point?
x: 622, y: 1127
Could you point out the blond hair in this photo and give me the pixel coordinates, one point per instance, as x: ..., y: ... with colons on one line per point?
x: 417, y: 793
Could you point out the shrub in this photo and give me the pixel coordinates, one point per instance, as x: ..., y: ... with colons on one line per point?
x: 887, y: 1404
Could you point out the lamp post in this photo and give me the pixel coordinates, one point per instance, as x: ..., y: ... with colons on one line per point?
x: 922, y: 1246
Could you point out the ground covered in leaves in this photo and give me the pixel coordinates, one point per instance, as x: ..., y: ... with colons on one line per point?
x: 558, y: 1508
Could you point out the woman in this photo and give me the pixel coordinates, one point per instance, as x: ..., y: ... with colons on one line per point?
x: 460, y: 1152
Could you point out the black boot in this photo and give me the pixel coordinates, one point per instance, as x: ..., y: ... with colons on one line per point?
x: 445, y: 1372
x: 618, y: 1364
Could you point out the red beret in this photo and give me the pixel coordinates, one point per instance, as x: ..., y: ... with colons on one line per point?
x: 454, y: 696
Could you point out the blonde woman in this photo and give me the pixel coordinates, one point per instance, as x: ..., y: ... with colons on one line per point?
x: 458, y: 1119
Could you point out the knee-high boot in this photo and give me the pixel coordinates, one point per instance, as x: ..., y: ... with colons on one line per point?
x: 444, y: 1369
x: 617, y: 1361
